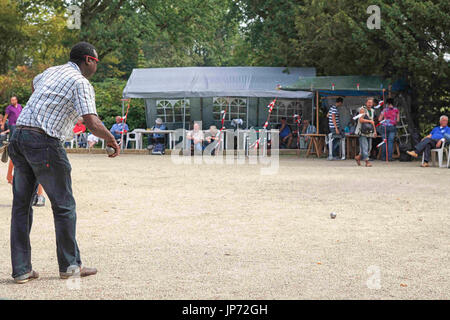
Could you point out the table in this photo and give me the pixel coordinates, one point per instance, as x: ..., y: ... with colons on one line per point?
x: 317, y: 140
x: 352, y: 145
x: 144, y: 131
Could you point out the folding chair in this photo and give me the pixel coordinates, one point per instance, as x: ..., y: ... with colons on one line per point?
x: 440, y: 152
x: 330, y: 141
x: 136, y: 138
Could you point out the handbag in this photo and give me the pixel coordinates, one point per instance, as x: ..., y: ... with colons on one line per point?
x: 366, y: 127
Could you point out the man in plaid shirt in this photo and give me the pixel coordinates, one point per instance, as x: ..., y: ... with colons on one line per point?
x: 61, y: 94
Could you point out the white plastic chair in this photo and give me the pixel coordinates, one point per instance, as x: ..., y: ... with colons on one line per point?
x: 136, y: 137
x: 71, y: 140
x: 440, y: 152
x: 329, y: 142
x: 448, y: 156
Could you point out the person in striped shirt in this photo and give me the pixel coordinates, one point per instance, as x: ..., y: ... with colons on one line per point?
x: 334, y: 126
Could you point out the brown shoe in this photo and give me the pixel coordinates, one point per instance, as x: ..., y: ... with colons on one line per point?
x: 412, y: 154
x: 358, y: 159
x: 425, y: 165
x: 26, y: 277
x: 77, y: 272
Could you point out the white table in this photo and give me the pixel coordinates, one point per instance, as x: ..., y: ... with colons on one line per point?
x: 141, y: 132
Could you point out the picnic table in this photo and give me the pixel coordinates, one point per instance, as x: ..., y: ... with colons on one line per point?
x: 317, y: 140
x: 140, y: 132
x: 352, y: 145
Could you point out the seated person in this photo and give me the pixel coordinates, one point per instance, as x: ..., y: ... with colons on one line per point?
x: 305, y: 128
x: 78, y: 131
x: 93, y: 140
x: 118, y: 128
x: 285, y: 133
x: 154, y: 138
x: 196, y: 137
x: 4, y: 132
x: 433, y: 141
x: 211, y: 136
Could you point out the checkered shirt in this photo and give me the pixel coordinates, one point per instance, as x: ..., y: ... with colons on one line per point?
x: 61, y: 95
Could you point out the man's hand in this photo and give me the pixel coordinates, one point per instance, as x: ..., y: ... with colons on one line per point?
x: 438, y: 144
x: 98, y: 129
x: 338, y: 131
x: 113, y: 144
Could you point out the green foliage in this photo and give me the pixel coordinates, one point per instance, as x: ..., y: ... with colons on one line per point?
x: 333, y: 37
x: 329, y: 35
x: 17, y: 83
x: 108, y: 94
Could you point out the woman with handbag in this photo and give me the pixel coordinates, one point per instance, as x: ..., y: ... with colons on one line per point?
x: 366, y: 131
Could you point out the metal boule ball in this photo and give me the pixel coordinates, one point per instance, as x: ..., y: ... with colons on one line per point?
x: 110, y: 151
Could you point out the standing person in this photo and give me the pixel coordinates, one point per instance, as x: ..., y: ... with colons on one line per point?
x: 366, y: 133
x: 334, y: 125
x: 12, y: 112
x: 61, y: 94
x: 388, y: 130
x: 434, y: 140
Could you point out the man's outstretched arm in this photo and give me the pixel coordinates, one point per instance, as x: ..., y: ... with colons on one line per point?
x: 99, y: 130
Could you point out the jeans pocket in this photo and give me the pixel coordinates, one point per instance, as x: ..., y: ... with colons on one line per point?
x: 37, y: 156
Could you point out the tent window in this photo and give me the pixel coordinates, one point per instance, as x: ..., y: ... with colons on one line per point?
x: 285, y: 108
x: 236, y: 108
x: 172, y: 111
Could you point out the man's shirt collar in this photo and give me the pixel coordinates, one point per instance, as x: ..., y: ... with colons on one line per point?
x: 74, y: 65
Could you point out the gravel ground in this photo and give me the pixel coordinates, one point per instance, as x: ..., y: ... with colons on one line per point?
x: 159, y: 230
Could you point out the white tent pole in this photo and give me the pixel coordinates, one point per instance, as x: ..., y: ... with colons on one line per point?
x: 247, y: 111
x: 184, y: 113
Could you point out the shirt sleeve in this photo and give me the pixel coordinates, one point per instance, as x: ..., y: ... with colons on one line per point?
x: 84, y: 98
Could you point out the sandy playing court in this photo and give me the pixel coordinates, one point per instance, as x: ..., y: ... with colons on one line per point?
x: 157, y: 230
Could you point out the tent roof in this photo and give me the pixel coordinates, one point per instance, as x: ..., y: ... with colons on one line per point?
x: 215, y: 82
x: 343, y: 85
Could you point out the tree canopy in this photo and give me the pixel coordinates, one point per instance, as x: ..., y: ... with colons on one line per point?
x: 412, y: 42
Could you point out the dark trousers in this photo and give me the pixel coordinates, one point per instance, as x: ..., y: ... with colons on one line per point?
x: 39, y: 158
x: 425, y: 146
x: 336, y: 142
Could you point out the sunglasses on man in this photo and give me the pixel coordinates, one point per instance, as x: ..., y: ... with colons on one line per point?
x: 93, y: 58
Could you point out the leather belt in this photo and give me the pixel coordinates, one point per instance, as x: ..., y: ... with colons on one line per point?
x: 36, y: 129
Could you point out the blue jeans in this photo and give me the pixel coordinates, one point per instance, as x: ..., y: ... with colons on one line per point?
x: 447, y: 137
x: 390, y: 132
x: 365, y: 145
x: 39, y: 158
